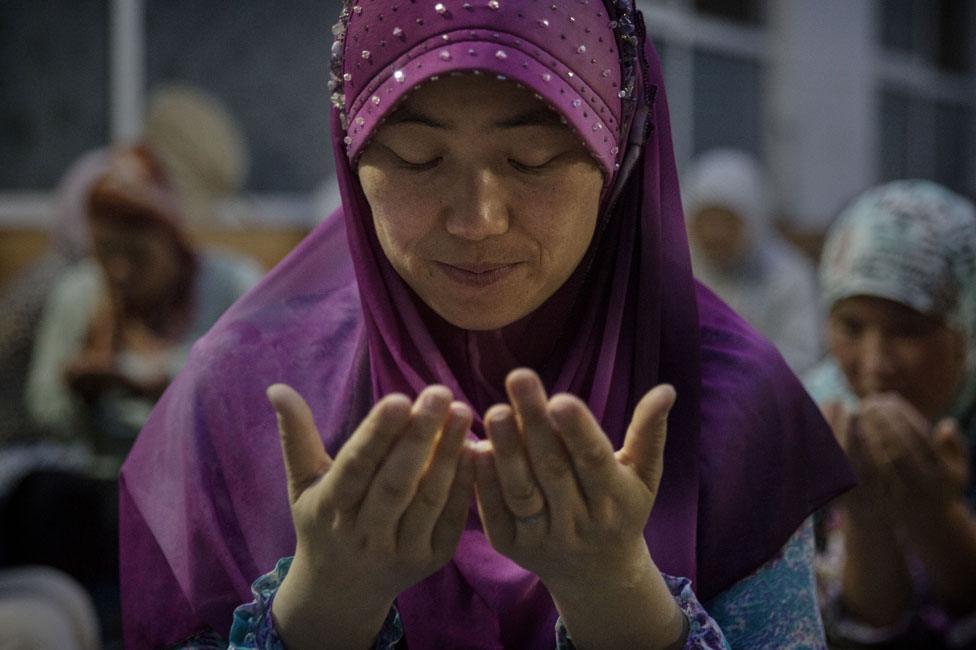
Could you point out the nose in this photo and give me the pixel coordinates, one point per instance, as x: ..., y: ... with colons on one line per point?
x: 876, y: 360
x: 480, y: 207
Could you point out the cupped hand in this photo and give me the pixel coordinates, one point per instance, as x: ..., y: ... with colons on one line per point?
x: 556, y: 498
x: 921, y: 466
x: 869, y: 498
x: 384, y: 514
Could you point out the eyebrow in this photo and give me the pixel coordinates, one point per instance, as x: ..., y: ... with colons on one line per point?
x: 532, y: 117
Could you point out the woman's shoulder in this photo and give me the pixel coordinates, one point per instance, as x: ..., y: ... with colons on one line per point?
x: 267, y: 324
x: 74, y: 293
x: 746, y: 381
x: 81, y: 279
x: 766, y: 454
x: 307, y: 303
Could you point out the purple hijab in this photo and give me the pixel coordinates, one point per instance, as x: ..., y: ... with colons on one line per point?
x: 204, y: 508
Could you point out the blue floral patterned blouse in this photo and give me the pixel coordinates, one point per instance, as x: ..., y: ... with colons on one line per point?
x: 775, y: 607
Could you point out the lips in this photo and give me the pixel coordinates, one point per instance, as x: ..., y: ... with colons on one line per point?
x: 476, y: 275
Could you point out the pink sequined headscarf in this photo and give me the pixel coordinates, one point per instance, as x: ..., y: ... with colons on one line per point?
x: 748, y: 458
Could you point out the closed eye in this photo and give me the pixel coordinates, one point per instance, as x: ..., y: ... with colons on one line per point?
x: 851, y: 327
x: 531, y: 169
x: 411, y: 165
x: 420, y: 166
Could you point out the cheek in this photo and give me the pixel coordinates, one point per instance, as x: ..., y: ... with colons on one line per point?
x: 843, y: 349
x: 942, y: 362
x: 400, y: 216
x: 565, y: 216
x: 398, y: 234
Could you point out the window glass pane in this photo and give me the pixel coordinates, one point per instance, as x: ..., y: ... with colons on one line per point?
x: 938, y: 31
x: 53, y: 88
x: 897, y: 25
x: 269, y: 62
x: 895, y: 116
x: 955, y: 33
x: 727, y: 103
x: 954, y: 147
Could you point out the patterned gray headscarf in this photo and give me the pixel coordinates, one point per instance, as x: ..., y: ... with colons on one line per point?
x: 913, y: 242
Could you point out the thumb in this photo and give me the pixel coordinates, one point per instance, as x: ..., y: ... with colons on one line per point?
x: 305, y: 456
x: 643, y: 448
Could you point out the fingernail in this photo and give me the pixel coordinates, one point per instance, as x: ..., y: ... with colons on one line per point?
x: 432, y: 400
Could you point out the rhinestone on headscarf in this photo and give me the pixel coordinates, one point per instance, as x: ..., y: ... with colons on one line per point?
x: 397, y: 32
x: 445, y: 55
x: 440, y: 8
x: 500, y: 54
x: 399, y: 76
x: 493, y: 4
x: 365, y: 54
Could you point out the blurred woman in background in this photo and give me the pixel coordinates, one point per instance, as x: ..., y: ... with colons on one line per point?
x: 899, y: 283
x: 118, y: 326
x: 737, y: 253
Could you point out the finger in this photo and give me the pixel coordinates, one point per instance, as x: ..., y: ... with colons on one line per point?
x: 435, y: 486
x: 359, y: 459
x: 884, y: 443
x: 643, y: 447
x: 872, y: 430
x: 518, y: 485
x: 305, y: 457
x: 547, y: 455
x: 589, y: 449
x: 395, y: 483
x: 496, y: 519
x: 904, y: 442
x: 450, y: 524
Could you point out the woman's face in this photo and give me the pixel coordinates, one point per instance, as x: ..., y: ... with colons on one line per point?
x: 884, y: 346
x: 140, y: 261
x: 483, y: 201
x: 719, y: 235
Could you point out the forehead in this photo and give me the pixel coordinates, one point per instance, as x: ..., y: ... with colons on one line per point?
x: 474, y: 101
x: 880, y: 310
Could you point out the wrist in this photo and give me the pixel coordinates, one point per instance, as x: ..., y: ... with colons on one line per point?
x: 311, y: 608
x: 624, y: 605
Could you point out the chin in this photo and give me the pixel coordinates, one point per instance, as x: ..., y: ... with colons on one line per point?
x: 475, y: 320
